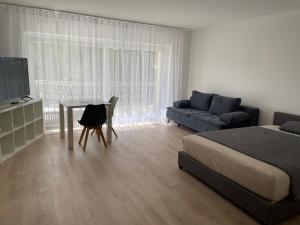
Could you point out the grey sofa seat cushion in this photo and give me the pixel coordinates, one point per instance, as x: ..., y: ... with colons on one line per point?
x: 183, y: 111
x: 291, y: 127
x: 210, y: 119
x: 201, y: 100
x: 235, y: 117
x: 221, y: 104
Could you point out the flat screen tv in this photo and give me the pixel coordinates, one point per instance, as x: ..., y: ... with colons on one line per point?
x: 14, y: 80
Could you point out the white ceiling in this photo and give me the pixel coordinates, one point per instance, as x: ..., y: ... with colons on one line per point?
x: 191, y: 14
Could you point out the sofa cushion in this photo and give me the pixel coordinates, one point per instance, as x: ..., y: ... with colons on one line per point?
x: 201, y: 100
x: 221, y: 104
x: 183, y: 111
x: 291, y: 127
x: 209, y: 118
x: 182, y: 104
x: 235, y: 117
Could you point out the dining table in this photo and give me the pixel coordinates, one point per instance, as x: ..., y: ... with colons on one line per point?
x: 73, y: 104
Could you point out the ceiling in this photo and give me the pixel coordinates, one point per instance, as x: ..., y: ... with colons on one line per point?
x: 190, y: 14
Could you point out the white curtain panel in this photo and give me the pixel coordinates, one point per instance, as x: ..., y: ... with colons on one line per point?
x: 74, y: 56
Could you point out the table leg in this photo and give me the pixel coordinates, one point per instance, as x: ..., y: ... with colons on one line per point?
x: 61, y: 121
x: 109, y: 124
x: 70, y: 127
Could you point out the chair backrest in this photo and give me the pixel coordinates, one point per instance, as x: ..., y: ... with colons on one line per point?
x: 113, y: 101
x: 93, y: 115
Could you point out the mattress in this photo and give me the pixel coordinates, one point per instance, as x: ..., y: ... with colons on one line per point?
x: 259, y: 177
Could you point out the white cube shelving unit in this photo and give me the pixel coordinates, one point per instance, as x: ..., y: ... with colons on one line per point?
x: 20, y: 125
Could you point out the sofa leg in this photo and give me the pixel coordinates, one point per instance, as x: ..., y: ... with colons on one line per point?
x: 168, y: 121
x: 178, y: 124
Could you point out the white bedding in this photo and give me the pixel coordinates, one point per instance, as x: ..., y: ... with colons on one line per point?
x: 259, y: 177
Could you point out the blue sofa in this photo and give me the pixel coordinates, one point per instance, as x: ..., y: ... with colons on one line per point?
x: 206, y: 112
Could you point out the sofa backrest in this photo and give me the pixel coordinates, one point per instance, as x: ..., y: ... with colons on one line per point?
x: 254, y: 113
x: 200, y: 100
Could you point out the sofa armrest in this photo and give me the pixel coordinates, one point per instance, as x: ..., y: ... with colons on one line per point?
x: 253, y: 112
x: 235, y: 117
x: 182, y: 104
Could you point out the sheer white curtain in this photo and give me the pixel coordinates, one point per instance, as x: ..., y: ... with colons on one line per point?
x: 74, y: 56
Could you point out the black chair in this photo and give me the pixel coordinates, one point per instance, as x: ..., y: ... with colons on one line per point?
x: 94, y: 116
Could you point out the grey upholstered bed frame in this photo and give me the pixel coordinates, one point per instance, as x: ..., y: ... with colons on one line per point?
x: 262, y: 209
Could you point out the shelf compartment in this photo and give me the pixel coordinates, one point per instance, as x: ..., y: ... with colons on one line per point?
x: 5, y: 123
x: 19, y: 138
x: 28, y: 111
x: 39, y: 127
x: 7, y: 145
x: 18, y: 117
x: 30, y: 132
x: 38, y: 110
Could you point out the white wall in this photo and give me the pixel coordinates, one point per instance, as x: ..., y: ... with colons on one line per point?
x: 257, y: 60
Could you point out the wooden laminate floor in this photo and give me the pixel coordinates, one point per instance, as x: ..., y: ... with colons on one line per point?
x: 134, y: 181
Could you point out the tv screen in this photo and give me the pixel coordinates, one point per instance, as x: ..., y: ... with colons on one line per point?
x: 14, y: 80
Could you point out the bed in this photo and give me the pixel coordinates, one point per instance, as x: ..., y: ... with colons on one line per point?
x: 259, y: 188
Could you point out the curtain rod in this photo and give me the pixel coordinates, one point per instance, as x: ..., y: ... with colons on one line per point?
x: 83, y: 14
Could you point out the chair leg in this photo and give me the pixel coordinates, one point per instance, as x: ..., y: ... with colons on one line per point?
x: 86, y: 138
x: 82, y: 134
x: 98, y: 134
x: 114, y: 132
x: 102, y: 137
x: 93, y: 132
